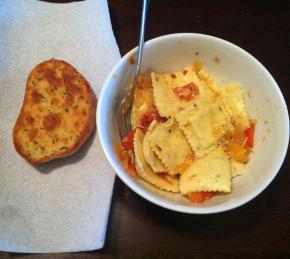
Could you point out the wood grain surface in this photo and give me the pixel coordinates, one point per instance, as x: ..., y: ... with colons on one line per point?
x: 259, y: 229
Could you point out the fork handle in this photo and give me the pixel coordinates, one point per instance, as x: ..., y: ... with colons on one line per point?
x: 141, y: 39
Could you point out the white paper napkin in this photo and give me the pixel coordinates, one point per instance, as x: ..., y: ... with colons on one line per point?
x: 62, y: 205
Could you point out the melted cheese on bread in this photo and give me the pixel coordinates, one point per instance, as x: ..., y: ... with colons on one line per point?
x: 57, y: 115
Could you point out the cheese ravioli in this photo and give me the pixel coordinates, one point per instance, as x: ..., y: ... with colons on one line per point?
x: 150, y: 157
x: 237, y: 168
x: 208, y: 174
x: 233, y: 99
x: 170, y: 145
x: 204, y: 125
x: 166, y: 98
x: 163, y: 182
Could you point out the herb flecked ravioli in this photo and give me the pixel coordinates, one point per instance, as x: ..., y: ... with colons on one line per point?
x: 170, y: 145
x: 233, y: 99
x: 57, y: 115
x: 164, y: 86
x: 211, y: 173
x: 149, y: 155
x: 161, y: 181
x: 204, y: 124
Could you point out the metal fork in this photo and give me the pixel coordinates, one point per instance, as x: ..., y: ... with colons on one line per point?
x: 124, y: 112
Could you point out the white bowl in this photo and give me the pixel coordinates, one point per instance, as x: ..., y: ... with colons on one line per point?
x: 227, y: 63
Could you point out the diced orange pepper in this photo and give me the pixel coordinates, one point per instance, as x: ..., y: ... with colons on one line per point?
x: 199, y: 197
x: 237, y: 152
x: 185, y: 164
x: 238, y: 136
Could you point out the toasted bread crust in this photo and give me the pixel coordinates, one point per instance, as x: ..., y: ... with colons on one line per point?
x: 58, y: 113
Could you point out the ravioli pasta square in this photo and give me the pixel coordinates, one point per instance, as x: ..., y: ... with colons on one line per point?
x: 166, y: 100
x: 150, y: 157
x: 198, y: 129
x: 170, y: 145
x: 163, y: 97
x: 163, y: 182
x: 233, y: 99
x: 237, y: 168
x: 208, y: 174
x: 204, y: 125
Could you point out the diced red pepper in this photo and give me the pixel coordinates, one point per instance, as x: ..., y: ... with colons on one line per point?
x: 148, y: 117
x: 186, y: 92
x: 199, y: 197
x: 250, y: 132
x: 127, y: 142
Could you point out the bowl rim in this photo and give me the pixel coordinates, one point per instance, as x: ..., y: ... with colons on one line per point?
x: 178, y: 207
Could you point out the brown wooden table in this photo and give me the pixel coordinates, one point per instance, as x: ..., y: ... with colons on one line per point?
x: 260, y: 229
